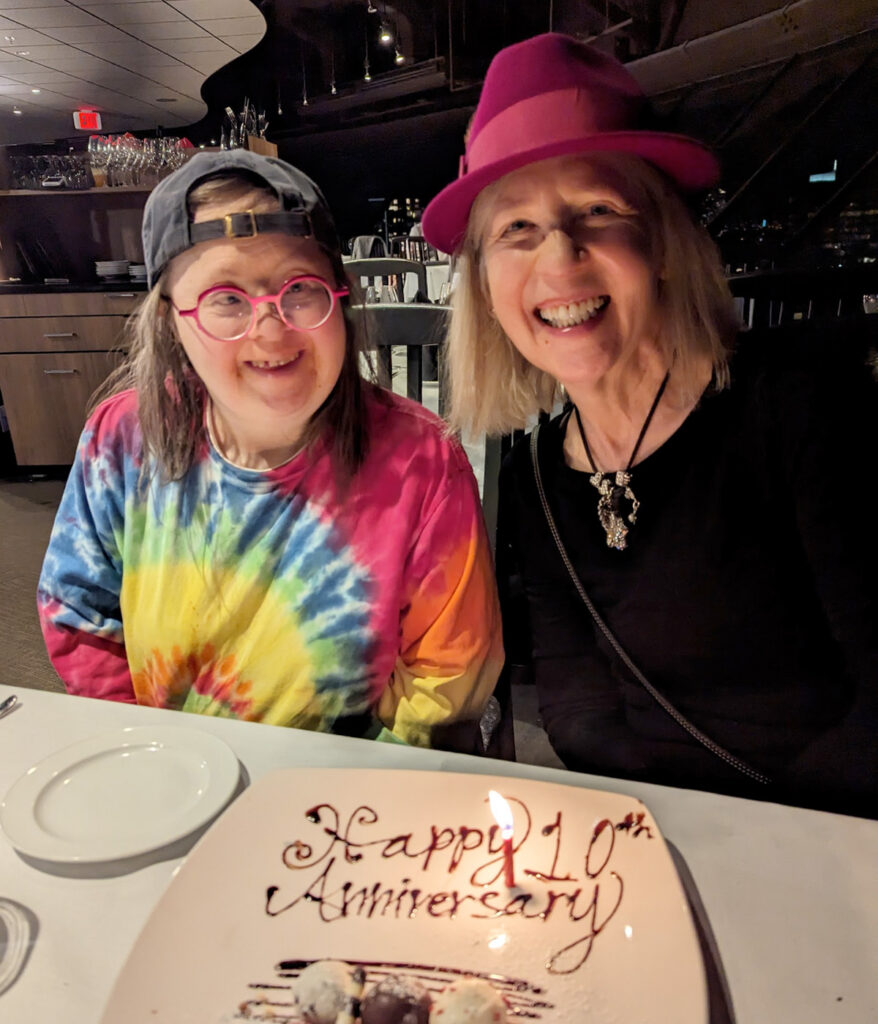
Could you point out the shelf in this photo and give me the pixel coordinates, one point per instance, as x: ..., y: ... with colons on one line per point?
x: 114, y: 190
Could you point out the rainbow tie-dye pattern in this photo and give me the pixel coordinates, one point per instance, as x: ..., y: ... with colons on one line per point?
x: 271, y: 596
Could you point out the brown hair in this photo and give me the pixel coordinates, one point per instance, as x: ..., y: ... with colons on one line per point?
x: 495, y: 389
x: 171, y: 396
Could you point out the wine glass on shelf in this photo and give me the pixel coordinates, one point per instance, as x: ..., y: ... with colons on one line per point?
x: 150, y: 161
x: 183, y: 150
x: 127, y: 145
x: 164, y: 153
x: 97, y: 158
x: 112, y: 160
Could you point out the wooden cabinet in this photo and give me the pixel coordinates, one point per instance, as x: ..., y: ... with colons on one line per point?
x: 55, y: 350
x: 48, y: 398
x: 57, y: 347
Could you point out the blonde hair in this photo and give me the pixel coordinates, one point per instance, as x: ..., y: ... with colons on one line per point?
x: 171, y: 396
x: 494, y: 389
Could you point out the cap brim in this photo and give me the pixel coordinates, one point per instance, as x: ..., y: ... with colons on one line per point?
x: 691, y: 166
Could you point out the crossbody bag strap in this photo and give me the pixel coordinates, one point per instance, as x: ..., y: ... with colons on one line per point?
x: 659, y: 698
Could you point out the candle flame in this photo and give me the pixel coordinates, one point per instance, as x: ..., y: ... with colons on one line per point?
x: 502, y: 813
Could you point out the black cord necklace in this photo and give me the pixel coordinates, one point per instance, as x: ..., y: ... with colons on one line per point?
x: 613, y: 487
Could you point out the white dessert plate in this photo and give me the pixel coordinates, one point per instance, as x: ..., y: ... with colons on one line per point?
x: 119, y: 794
x: 403, y: 872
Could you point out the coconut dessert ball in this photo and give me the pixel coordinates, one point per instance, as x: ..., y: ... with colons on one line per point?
x: 468, y: 1001
x: 327, y: 988
x: 396, y: 1000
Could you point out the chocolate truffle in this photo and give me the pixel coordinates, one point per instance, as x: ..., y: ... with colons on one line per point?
x: 396, y: 1000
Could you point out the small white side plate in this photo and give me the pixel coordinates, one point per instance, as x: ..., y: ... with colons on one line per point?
x: 119, y: 794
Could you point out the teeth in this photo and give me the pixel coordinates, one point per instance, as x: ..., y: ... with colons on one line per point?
x: 271, y: 364
x: 570, y: 314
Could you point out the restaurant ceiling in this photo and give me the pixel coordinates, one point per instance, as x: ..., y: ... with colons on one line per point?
x: 743, y: 75
x: 144, y: 63
x: 141, y: 63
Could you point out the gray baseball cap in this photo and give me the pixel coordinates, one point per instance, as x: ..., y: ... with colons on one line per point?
x: 167, y: 230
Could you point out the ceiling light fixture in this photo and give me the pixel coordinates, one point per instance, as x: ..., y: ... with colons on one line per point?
x: 15, y: 110
x: 22, y: 53
x: 366, y: 77
x: 9, y: 39
x: 398, y: 57
x: 35, y: 91
x: 332, y: 87
x: 386, y: 36
x: 371, y: 9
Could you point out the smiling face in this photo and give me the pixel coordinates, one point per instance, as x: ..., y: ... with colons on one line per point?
x: 264, y: 388
x: 568, y: 269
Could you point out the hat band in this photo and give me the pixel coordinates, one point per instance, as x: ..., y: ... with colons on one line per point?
x: 563, y: 115
x: 246, y: 224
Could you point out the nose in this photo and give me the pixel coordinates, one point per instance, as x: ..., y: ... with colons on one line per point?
x: 560, y: 250
x: 267, y: 321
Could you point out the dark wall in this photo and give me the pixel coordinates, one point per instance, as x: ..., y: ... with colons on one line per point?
x: 414, y: 157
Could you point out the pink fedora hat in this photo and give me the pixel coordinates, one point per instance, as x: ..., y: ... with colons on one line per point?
x: 550, y: 96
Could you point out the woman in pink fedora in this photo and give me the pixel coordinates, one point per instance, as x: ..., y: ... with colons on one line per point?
x: 686, y: 538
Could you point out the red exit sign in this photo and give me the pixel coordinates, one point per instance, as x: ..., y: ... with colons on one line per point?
x: 90, y: 120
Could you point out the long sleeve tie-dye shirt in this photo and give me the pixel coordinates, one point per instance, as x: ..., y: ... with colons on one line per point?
x: 271, y: 596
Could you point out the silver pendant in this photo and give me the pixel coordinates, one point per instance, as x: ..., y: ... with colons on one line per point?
x: 612, y: 490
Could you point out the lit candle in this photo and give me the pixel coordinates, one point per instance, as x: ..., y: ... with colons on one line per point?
x: 503, y: 814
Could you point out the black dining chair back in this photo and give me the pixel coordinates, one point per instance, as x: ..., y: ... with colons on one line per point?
x: 378, y: 271
x: 412, y: 247
x: 412, y: 325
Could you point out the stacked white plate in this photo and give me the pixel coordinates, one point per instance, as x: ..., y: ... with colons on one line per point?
x: 137, y: 272
x: 111, y: 268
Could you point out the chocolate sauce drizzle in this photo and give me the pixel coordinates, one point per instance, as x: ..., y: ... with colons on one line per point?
x: 525, y: 1001
x: 472, y: 859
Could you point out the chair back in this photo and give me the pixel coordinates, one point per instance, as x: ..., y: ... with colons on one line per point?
x: 367, y: 246
x: 384, y: 268
x: 415, y: 326
x: 411, y: 247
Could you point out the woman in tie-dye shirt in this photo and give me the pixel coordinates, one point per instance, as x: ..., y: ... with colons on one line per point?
x: 250, y: 529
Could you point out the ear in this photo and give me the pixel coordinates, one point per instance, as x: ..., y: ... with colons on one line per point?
x: 164, y: 312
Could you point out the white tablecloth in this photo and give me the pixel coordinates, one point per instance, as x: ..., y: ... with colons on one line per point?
x: 791, y: 895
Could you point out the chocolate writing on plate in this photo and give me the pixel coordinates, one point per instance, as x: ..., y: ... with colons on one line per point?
x: 453, y: 871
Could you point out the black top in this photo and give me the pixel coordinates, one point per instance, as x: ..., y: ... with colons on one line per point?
x: 747, y: 592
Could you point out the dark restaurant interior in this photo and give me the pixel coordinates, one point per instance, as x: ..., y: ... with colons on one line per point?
x: 372, y: 100
x: 781, y: 93
x: 306, y: 713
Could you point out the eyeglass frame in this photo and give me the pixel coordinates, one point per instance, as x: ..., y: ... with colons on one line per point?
x: 334, y: 293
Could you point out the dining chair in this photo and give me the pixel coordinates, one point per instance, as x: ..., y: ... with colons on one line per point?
x: 364, y: 246
x: 382, y: 269
x: 412, y: 325
x: 412, y: 248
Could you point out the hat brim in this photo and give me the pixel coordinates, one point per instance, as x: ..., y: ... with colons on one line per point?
x: 689, y: 164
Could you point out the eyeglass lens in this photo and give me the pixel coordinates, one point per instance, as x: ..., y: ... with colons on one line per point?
x: 227, y: 314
